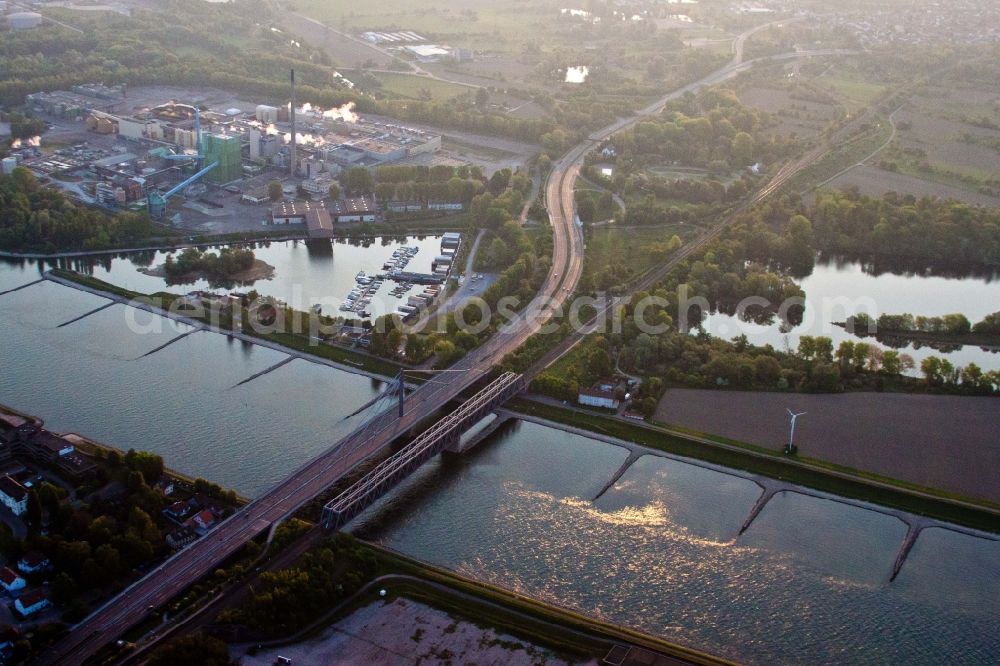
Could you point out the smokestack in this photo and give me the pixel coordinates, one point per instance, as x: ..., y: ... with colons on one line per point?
x: 291, y: 152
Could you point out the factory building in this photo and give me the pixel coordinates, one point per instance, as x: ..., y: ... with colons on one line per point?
x: 131, y: 128
x: 101, y: 124
x: 262, y: 146
x: 429, y: 52
x: 267, y: 114
x: 185, y: 138
x: 227, y: 151
x: 360, y: 209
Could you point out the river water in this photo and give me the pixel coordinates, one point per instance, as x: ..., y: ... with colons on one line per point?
x: 838, y: 288
x: 659, y: 551
x: 183, y: 402
x: 306, y: 272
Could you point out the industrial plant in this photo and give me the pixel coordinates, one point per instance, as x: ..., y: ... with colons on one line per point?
x: 211, y: 159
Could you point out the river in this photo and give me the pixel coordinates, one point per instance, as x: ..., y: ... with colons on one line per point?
x: 838, y: 288
x: 184, y: 402
x: 659, y: 551
x: 306, y: 272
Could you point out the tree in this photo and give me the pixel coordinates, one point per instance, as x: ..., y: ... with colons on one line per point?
x: 825, y: 377
x: 860, y: 356
x: 334, y: 191
x: 741, y: 148
x: 49, y: 497
x: 807, y: 347
x: 931, y: 367
x: 64, y: 589
x: 767, y: 369
x: 482, y: 97
x: 275, y: 191
x: 891, y: 363
x: 148, y: 464
x: 358, y: 180
x: 990, y: 324
x: 192, y: 650
x: 496, y: 254
x: 34, y: 515
x: 599, y: 364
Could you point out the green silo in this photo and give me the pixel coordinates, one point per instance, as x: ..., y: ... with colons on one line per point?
x: 226, y: 151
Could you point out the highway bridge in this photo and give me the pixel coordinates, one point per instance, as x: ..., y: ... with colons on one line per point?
x: 375, y: 437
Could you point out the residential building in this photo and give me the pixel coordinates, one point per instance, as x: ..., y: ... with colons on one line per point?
x: 8, y: 636
x: 201, y: 522
x: 165, y: 485
x: 10, y: 580
x: 177, y: 510
x: 32, y: 561
x: 13, y: 495
x: 49, y: 447
x: 32, y: 602
x: 180, y: 537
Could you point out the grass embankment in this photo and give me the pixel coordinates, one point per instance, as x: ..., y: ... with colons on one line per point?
x: 559, y: 629
x: 298, y: 342
x: 803, y: 471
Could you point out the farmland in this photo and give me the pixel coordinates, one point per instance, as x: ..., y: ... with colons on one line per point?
x: 419, y: 87
x: 874, y: 181
x: 918, y: 445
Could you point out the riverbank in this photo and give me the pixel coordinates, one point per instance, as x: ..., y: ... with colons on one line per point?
x: 986, y: 341
x: 261, y: 270
x: 347, y: 232
x: 296, y: 345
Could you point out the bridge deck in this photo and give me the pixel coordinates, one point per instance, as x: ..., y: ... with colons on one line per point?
x: 401, y: 464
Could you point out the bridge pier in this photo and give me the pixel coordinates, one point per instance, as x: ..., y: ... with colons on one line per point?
x: 443, y: 435
x: 459, y: 447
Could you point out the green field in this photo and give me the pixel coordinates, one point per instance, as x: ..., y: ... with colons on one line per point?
x: 409, y: 85
x: 452, y: 22
x: 637, y: 248
x: 856, y: 94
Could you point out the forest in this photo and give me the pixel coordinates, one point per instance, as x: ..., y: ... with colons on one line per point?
x: 226, y: 263
x: 918, y: 230
x: 286, y: 601
x: 760, y: 255
x: 36, y: 218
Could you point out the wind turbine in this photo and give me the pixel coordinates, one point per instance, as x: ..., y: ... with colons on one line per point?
x: 791, y: 435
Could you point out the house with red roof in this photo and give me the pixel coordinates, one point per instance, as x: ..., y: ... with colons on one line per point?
x: 10, y: 580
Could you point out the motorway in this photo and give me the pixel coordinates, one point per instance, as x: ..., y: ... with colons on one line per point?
x: 317, y: 475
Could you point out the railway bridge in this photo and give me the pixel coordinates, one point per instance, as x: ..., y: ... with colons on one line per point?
x: 442, y: 435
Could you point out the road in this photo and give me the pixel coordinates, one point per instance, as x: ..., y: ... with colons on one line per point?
x: 885, y: 144
x: 314, y: 477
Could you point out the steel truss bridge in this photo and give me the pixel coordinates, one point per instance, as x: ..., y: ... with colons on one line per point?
x: 442, y: 435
